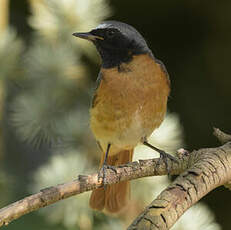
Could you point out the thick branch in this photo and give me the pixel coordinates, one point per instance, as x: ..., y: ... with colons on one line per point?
x: 212, y: 168
x: 208, y: 168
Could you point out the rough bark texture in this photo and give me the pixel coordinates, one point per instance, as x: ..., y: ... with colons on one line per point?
x: 209, y: 168
x: 200, y: 172
x: 84, y: 183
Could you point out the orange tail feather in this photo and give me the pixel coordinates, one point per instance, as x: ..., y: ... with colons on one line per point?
x: 116, y: 196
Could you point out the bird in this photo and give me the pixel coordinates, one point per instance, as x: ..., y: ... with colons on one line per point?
x: 129, y: 103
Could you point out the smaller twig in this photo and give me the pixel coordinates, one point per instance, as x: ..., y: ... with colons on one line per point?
x: 50, y: 195
x: 221, y: 136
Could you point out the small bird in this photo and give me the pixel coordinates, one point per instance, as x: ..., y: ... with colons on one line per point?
x: 128, y: 105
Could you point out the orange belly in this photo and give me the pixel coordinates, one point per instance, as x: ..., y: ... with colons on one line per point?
x: 129, y: 104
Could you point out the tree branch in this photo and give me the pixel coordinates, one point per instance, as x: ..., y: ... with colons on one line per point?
x: 221, y: 136
x: 212, y: 168
x: 50, y: 195
x: 207, y: 169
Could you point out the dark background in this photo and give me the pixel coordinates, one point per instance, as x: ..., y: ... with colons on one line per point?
x: 193, y: 39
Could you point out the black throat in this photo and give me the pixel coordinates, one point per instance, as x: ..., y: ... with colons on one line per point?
x: 114, y: 57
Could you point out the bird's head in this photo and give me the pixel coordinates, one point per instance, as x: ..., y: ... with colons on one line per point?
x: 116, y: 42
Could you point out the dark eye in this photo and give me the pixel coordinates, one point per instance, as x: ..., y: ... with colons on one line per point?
x: 110, y: 33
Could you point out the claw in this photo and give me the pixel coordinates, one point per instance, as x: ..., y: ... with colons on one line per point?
x: 163, y: 155
x: 101, y: 174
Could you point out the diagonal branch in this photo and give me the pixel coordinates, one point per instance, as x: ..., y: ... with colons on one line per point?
x: 207, y: 169
x: 212, y: 168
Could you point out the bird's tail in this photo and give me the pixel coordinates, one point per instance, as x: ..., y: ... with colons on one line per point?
x: 115, y: 196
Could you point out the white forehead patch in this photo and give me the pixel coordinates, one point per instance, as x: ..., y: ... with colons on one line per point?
x: 103, y: 26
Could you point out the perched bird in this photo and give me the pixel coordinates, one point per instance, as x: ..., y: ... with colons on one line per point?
x: 129, y: 102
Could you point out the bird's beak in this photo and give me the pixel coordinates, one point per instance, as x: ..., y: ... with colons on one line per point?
x: 88, y: 36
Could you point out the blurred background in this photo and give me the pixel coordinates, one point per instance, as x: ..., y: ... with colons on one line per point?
x: 46, y: 83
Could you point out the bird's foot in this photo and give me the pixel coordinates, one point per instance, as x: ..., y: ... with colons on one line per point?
x: 165, y: 156
x: 101, y: 174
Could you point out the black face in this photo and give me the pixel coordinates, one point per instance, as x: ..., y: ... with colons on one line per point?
x: 116, y: 42
x: 113, y: 39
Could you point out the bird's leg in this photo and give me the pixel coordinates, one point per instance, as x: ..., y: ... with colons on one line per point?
x: 163, y: 155
x: 105, y: 166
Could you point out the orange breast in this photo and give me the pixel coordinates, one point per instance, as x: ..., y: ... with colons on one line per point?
x: 129, y: 104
